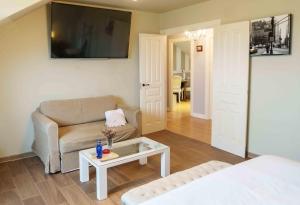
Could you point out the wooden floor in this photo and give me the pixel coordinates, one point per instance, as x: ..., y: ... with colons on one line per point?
x: 180, y: 121
x: 24, y: 181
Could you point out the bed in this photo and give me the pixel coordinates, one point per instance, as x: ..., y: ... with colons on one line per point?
x: 266, y: 180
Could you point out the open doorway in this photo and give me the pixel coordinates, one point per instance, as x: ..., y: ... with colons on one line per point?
x: 180, y: 75
x: 230, y: 79
x: 189, y: 84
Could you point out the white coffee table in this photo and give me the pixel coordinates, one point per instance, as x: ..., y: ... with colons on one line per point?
x: 128, y: 151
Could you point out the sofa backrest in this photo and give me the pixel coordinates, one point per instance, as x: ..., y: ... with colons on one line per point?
x: 78, y: 111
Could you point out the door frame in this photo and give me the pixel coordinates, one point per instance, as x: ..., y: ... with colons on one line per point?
x: 207, y: 25
x: 179, y: 30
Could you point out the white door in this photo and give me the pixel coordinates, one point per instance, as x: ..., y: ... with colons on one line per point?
x: 230, y: 87
x: 153, y: 70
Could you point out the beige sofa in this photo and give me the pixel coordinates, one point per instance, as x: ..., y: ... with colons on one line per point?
x: 64, y: 127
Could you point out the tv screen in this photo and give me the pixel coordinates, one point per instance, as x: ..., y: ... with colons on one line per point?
x: 88, y: 32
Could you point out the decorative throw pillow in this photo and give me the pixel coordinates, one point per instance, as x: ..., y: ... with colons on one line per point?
x: 115, y: 118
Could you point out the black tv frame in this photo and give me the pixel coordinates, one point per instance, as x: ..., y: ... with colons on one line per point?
x: 49, y: 23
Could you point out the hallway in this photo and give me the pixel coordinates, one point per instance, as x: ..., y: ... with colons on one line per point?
x: 180, y: 122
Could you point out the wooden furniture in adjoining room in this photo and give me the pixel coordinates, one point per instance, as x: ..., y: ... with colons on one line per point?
x: 186, y: 89
x: 176, y: 86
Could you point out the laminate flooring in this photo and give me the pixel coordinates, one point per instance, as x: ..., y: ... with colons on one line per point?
x: 24, y: 182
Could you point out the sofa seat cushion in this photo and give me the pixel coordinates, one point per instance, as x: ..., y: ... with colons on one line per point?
x: 83, y: 136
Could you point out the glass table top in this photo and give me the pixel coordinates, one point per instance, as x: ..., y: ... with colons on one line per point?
x: 128, y: 148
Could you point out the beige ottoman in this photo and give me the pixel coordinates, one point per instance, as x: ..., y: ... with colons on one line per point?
x: 143, y: 193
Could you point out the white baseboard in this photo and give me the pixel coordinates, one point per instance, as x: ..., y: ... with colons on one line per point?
x: 17, y: 157
x: 201, y: 116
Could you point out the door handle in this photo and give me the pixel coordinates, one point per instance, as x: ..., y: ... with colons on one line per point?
x: 145, y: 84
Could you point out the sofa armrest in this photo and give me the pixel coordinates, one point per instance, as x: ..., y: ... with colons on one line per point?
x: 46, y: 141
x: 133, y: 116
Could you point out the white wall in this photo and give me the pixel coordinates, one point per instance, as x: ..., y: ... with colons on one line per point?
x: 202, y: 62
x: 28, y: 76
x: 187, y: 60
x: 177, y: 56
x: 181, y: 59
x: 198, y: 79
x: 275, y: 81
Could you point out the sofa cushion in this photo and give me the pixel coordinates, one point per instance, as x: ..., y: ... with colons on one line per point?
x: 83, y: 136
x: 78, y: 111
x: 115, y: 118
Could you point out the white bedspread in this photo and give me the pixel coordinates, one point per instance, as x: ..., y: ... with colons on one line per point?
x: 266, y: 180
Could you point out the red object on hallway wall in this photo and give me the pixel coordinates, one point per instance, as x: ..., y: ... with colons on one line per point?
x: 199, y: 48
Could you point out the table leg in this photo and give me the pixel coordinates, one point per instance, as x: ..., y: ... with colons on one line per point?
x: 101, y: 183
x: 165, y: 163
x: 142, y: 161
x: 83, y: 169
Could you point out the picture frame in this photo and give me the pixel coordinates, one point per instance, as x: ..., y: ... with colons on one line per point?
x: 199, y: 48
x: 271, y: 36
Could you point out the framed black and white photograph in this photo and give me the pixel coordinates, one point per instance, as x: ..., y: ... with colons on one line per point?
x: 271, y: 36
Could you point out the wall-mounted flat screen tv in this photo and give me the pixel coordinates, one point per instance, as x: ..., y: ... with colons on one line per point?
x: 88, y: 32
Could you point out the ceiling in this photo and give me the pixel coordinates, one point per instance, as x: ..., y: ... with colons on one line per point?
x: 157, y: 6
x: 10, y: 9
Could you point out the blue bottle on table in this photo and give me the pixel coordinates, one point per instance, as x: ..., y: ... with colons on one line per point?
x: 99, y: 149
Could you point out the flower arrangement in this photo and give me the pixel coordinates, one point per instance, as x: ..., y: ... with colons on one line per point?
x: 109, y: 134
